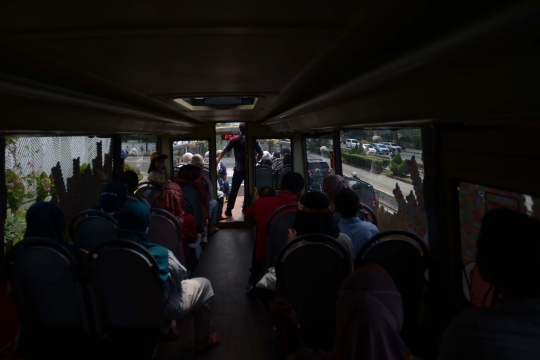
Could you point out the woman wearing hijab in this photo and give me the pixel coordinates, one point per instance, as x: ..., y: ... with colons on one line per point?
x: 45, y: 219
x: 369, y: 318
x: 332, y: 185
x: 157, y: 173
x: 314, y: 216
x: 181, y: 296
x: 172, y: 201
x: 113, y: 197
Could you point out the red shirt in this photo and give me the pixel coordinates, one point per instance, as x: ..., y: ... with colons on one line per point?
x: 259, y: 212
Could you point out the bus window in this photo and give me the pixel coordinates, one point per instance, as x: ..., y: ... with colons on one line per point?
x: 183, y: 151
x: 384, y: 167
x: 136, y: 151
x: 276, y: 162
x: 320, y: 162
x: 474, y: 201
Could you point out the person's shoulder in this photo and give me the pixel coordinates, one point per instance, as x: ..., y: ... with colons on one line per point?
x: 461, y: 339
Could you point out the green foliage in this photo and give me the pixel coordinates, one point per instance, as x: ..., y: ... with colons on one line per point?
x: 365, y: 161
x: 417, y: 140
x: 128, y: 167
x: 14, y: 228
x: 397, y: 159
x: 16, y: 191
x: 394, y: 167
x: 358, y: 149
x: 406, y: 138
x: 403, y: 168
x: 83, y: 168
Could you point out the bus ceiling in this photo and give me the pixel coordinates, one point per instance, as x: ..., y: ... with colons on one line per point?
x: 171, y: 69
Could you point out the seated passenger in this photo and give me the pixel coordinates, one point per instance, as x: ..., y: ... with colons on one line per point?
x: 332, y: 185
x: 113, y: 197
x: 172, y: 201
x: 197, y: 161
x: 157, y: 173
x: 369, y: 318
x: 314, y: 216
x: 186, y: 158
x: 45, y: 219
x: 266, y: 191
x: 131, y: 179
x: 181, y: 296
x: 266, y: 162
x: 258, y: 214
x: 508, y: 249
x: 284, y: 151
x: 286, y: 160
x: 347, y: 205
x: 222, y: 177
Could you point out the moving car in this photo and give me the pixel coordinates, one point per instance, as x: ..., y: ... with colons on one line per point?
x: 369, y: 149
x: 317, y: 171
x: 381, y: 149
x: 351, y: 143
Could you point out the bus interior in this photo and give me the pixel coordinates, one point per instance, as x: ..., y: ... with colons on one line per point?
x: 455, y: 84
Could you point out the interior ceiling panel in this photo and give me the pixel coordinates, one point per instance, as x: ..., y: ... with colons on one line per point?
x: 140, y: 55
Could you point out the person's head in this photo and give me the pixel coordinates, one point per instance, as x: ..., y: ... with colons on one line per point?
x: 197, y: 160
x: 207, y: 157
x: 333, y: 184
x: 369, y: 303
x: 189, y: 173
x: 276, y: 154
x: 284, y: 150
x: 266, y: 191
x: 131, y: 179
x: 314, y: 216
x: 133, y: 221
x: 242, y: 128
x: 292, y: 182
x: 157, y: 161
x: 186, y: 158
x: 113, y: 197
x: 45, y: 219
x: 508, y: 249
x: 171, y: 199
x: 347, y: 203
x: 286, y: 159
x: 266, y: 162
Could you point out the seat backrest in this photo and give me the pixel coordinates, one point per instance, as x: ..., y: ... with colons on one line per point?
x: 134, y: 198
x: 264, y: 176
x: 277, y: 227
x: 166, y: 230
x: 406, y: 261
x: 92, y: 231
x: 125, y: 288
x: 45, y: 284
x: 309, y: 271
x: 193, y: 196
x: 280, y: 174
x: 150, y: 193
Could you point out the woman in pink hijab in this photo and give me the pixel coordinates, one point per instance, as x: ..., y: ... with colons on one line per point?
x: 369, y: 318
x: 332, y: 185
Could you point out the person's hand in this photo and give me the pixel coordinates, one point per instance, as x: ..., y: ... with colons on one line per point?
x: 369, y: 217
x: 291, y: 234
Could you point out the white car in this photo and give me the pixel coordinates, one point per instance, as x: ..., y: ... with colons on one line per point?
x: 394, y: 146
x: 369, y: 149
x: 351, y: 143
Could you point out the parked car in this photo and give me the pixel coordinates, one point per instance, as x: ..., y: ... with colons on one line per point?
x: 381, y: 149
x: 351, y: 143
x: 369, y: 149
x: 317, y: 170
x: 394, y: 146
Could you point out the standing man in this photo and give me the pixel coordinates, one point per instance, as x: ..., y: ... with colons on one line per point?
x: 238, y: 143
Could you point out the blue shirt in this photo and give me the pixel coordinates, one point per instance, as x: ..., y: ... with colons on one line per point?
x: 359, y: 231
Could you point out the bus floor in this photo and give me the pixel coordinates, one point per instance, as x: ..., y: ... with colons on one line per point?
x: 244, y: 326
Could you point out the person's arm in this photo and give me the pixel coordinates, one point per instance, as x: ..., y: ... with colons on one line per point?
x: 259, y: 156
x: 221, y: 155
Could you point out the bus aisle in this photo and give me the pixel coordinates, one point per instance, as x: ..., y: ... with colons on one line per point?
x: 243, y: 323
